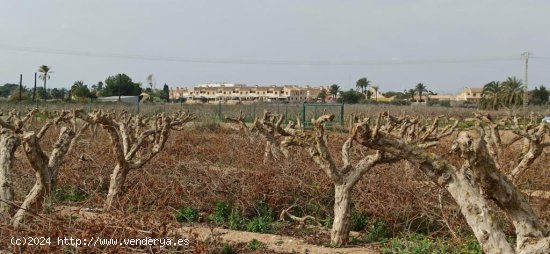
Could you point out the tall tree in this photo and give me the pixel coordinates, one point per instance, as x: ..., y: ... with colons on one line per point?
x: 409, y: 94
x: 77, y: 84
x: 45, y: 75
x: 334, y: 90
x: 420, y: 89
x: 351, y: 97
x: 398, y: 95
x: 512, y: 89
x: 375, y: 88
x: 121, y: 84
x: 539, y: 96
x: 80, y: 90
x: 362, y: 84
x: 7, y: 89
x: 165, y: 95
x: 491, y: 96
x: 322, y: 95
x: 56, y: 94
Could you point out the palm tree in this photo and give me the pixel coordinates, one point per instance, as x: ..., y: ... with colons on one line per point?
x: 420, y: 88
x: 362, y: 84
x: 322, y: 95
x: 46, y: 71
x: 334, y: 90
x: 512, y: 90
x: 375, y: 88
x: 491, y: 96
x: 76, y: 85
x: 409, y: 94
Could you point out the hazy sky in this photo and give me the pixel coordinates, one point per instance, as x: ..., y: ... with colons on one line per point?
x: 444, y: 44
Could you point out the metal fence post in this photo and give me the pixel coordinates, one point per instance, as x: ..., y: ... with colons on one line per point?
x: 342, y: 114
x: 220, y: 110
x: 315, y: 111
x: 286, y: 112
x: 304, y: 114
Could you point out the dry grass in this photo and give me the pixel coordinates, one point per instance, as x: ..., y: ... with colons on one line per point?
x: 205, y: 165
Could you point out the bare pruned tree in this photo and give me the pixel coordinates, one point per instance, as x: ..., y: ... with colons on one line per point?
x: 269, y: 127
x: 135, y: 141
x: 532, y: 135
x: 46, y: 166
x: 344, y: 176
x: 473, y: 185
x: 9, y: 142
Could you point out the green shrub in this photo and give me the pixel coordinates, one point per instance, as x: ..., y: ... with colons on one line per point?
x: 378, y: 231
x: 72, y: 194
x: 327, y: 223
x: 257, y: 245
x: 235, y: 220
x: 262, y: 222
x: 259, y: 224
x: 263, y: 210
x: 416, y: 244
x: 464, y: 125
x: 187, y: 214
x: 400, y: 102
x: 221, y: 212
x: 228, y: 249
x: 359, y: 221
x: 471, y: 247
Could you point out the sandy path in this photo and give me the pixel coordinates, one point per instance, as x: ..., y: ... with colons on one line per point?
x: 273, y: 242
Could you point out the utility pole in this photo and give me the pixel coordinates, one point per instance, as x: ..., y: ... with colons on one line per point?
x: 119, y: 85
x: 526, y: 55
x: 20, y: 87
x: 34, y: 90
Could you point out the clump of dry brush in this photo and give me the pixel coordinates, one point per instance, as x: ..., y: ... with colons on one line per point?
x: 397, y: 169
x: 474, y: 184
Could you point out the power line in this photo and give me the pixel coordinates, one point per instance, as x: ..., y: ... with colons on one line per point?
x: 251, y: 62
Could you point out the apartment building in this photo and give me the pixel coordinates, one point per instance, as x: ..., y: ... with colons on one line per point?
x: 470, y: 94
x: 235, y: 93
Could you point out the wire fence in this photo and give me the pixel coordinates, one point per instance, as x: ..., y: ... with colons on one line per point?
x: 203, y: 112
x: 209, y: 112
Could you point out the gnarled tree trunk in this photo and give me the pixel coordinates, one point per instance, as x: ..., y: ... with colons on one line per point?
x: 341, y: 225
x: 8, y: 144
x: 478, y: 181
x: 46, y: 168
x: 475, y: 208
x: 34, y: 199
x: 458, y: 183
x: 118, y: 177
x: 133, y: 145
